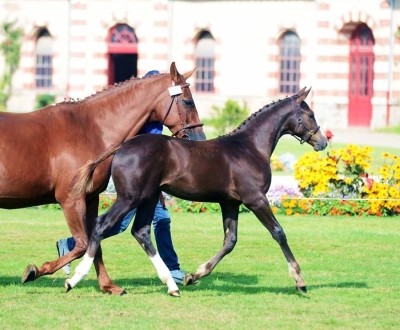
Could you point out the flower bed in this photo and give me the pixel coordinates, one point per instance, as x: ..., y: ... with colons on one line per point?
x: 340, y: 184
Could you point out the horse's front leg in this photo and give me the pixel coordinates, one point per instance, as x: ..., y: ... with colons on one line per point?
x: 262, y: 210
x: 141, y: 231
x: 230, y: 215
x: 102, y: 224
x: 74, y: 211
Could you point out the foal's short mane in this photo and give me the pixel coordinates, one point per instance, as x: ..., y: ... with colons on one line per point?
x: 255, y: 114
x: 106, y: 89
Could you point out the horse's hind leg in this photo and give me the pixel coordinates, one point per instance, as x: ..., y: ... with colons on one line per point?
x: 141, y: 231
x: 230, y: 215
x: 263, y: 211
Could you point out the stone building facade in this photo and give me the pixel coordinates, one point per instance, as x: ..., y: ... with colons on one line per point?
x: 249, y: 51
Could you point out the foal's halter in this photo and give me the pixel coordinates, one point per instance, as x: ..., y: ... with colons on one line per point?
x: 183, y: 123
x: 311, y: 132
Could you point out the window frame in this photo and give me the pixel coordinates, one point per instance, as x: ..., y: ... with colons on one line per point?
x: 289, y: 63
x: 205, y: 63
x: 44, y: 62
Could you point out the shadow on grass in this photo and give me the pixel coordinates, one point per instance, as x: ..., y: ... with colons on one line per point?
x: 218, y: 282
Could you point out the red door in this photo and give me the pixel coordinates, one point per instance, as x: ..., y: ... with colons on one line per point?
x: 122, y: 53
x: 361, y: 77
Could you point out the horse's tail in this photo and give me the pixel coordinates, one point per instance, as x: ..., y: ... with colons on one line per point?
x: 84, y: 177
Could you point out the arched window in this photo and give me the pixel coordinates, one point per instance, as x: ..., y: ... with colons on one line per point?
x: 44, y: 59
x: 122, y: 40
x: 289, y: 63
x: 205, y: 57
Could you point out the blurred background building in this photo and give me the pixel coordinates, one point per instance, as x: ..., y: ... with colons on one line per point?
x: 248, y: 51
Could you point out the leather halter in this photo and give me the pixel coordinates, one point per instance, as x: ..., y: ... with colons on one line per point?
x: 311, y: 132
x: 184, y: 126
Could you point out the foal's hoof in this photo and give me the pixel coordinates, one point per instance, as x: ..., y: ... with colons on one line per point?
x: 302, y: 289
x: 175, y: 293
x: 29, y: 274
x: 188, y: 280
x: 123, y: 293
x: 67, y: 286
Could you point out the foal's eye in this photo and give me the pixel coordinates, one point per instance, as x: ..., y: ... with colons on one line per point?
x: 311, y: 116
x: 189, y: 103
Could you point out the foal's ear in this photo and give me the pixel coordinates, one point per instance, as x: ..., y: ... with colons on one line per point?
x: 188, y: 74
x: 302, y: 95
x: 175, y: 75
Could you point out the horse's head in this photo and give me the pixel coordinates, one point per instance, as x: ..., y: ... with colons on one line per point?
x: 306, y: 128
x: 177, y: 110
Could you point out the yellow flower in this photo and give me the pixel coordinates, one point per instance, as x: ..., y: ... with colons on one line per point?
x: 289, y: 212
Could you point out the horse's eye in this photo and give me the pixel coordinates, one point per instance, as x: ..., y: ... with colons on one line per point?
x: 311, y: 116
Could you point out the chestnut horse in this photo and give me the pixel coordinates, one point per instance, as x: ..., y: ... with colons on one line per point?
x: 41, y: 151
x: 229, y: 170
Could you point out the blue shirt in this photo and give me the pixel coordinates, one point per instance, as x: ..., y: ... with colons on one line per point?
x: 153, y: 128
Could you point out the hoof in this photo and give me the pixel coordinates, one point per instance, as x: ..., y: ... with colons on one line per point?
x: 188, y: 280
x: 123, y: 293
x: 67, y: 286
x: 175, y: 293
x: 302, y: 289
x: 29, y: 274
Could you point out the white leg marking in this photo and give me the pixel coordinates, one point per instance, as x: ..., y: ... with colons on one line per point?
x: 81, y: 270
x: 293, y: 273
x: 202, y: 270
x: 163, y: 273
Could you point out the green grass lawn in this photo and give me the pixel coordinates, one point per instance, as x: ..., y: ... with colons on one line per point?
x: 392, y: 129
x: 350, y: 266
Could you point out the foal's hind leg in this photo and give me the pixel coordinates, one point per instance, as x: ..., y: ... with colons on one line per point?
x: 262, y: 210
x: 102, y: 224
x: 230, y: 215
x: 105, y: 282
x: 141, y: 231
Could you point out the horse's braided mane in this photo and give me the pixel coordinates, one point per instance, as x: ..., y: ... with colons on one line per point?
x: 105, y: 89
x: 253, y: 115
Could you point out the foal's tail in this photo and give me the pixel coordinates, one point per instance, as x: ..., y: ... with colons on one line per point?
x: 84, y: 177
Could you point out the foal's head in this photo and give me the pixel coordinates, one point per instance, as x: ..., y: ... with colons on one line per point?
x: 176, y: 108
x: 306, y: 128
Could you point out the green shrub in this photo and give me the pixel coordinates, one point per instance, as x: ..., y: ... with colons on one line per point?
x: 229, y: 117
x: 43, y: 100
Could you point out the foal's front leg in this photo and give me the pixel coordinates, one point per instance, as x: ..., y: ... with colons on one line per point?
x: 230, y: 223
x: 103, y: 223
x: 262, y: 210
x: 141, y: 231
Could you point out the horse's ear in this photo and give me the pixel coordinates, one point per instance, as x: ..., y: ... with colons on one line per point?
x: 188, y: 74
x: 175, y: 75
x: 302, y: 95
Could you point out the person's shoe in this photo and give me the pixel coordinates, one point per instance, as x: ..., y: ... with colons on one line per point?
x: 178, y: 276
x: 62, y: 249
